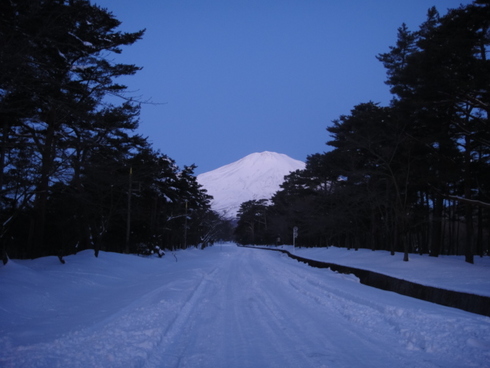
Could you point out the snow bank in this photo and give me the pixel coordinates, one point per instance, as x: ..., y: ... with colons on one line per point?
x: 445, y: 272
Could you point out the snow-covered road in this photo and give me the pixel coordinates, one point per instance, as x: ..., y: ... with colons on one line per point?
x: 224, y: 307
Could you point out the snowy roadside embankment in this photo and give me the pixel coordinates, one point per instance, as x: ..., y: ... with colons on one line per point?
x: 469, y: 302
x: 224, y: 306
x: 445, y: 272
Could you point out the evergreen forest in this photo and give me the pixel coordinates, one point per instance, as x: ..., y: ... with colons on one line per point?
x: 73, y: 172
x: 411, y: 177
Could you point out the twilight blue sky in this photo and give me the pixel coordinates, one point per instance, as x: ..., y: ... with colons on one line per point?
x: 235, y: 77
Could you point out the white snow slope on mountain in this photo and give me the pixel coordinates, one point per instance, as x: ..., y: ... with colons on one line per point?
x: 256, y: 176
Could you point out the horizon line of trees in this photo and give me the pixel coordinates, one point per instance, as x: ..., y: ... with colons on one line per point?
x: 410, y: 177
x: 73, y: 173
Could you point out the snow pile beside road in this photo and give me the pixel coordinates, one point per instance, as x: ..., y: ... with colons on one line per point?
x: 445, y: 272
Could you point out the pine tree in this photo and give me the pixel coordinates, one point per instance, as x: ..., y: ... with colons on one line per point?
x: 59, y: 73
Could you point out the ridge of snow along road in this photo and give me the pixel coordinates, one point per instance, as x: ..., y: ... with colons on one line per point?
x: 446, y: 272
x: 469, y: 302
x: 223, y: 306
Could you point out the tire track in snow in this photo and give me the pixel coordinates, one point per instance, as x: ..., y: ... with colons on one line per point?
x: 314, y: 329
x: 261, y: 314
x: 230, y: 320
x: 372, y: 314
x: 263, y: 309
x: 175, y: 331
x: 251, y: 308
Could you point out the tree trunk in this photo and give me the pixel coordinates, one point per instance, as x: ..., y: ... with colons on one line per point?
x: 436, y: 237
x: 38, y: 220
x: 405, y: 248
x: 479, y: 239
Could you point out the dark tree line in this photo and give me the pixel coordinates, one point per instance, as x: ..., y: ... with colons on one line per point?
x: 413, y: 176
x: 73, y: 174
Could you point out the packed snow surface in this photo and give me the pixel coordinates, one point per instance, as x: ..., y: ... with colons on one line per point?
x: 256, y: 176
x: 225, y: 306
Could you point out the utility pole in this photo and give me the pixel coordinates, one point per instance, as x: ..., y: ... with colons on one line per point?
x: 128, y: 219
x: 185, y: 226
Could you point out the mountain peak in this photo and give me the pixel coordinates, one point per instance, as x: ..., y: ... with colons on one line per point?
x: 255, y: 176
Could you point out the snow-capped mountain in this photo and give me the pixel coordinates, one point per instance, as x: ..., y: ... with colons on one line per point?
x: 256, y: 176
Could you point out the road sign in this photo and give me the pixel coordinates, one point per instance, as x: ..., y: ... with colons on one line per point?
x: 295, y: 235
